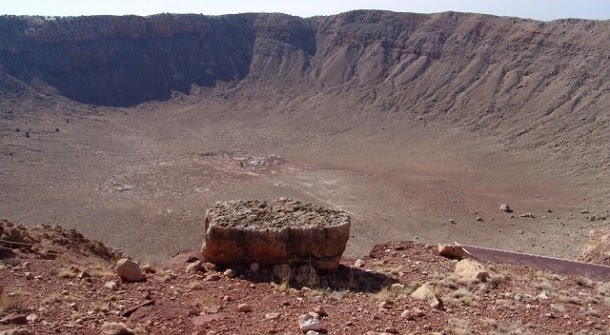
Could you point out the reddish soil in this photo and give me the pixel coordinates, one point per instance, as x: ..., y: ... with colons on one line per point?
x: 357, y: 300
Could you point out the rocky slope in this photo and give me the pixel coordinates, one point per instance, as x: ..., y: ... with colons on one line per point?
x: 54, y: 282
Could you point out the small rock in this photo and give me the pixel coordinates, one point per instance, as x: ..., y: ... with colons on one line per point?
x: 244, y: 308
x: 359, y: 263
x: 128, y: 270
x: 471, y: 270
x: 281, y: 271
x: 320, y: 311
x: 111, y: 285
x: 254, y: 267
x: 213, y: 277
x: 542, y: 296
x: 147, y: 268
x: 521, y: 232
x: 390, y: 330
x: 426, y: 293
x: 451, y: 251
x: 116, y: 328
x: 272, y: 316
x: 310, y: 321
x: 385, y: 305
x: 505, y: 208
x: 452, y: 221
x: 29, y: 276
x: 312, y: 332
x: 480, y: 219
x: 528, y: 215
x: 230, y: 273
x: 194, y: 267
x: 83, y: 275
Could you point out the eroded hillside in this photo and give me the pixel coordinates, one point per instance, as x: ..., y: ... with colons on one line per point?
x: 415, y: 124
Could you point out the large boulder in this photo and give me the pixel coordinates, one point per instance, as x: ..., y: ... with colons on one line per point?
x: 276, y: 232
x: 128, y: 270
x: 597, y: 249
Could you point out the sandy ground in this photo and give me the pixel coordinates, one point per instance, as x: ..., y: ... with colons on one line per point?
x: 141, y: 178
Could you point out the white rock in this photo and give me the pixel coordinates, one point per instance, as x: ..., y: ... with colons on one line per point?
x: 194, y: 267
x: 359, y: 263
x: 128, y: 270
x: 426, y: 293
x: 111, y: 285
x: 272, y: 316
x: 471, y: 270
x: 310, y: 321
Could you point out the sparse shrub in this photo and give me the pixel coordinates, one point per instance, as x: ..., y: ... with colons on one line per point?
x: 558, y: 308
x: 14, y: 302
x: 459, y: 326
x: 460, y: 297
x: 18, y: 237
x: 584, y: 282
x: 385, y: 294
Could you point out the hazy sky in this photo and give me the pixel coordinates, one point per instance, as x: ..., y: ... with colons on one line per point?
x: 537, y: 9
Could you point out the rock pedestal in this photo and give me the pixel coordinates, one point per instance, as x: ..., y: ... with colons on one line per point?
x: 277, y: 232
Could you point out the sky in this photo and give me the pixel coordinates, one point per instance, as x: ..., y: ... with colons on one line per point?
x: 545, y: 10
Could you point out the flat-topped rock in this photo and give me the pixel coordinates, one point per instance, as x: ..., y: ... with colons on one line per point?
x: 275, y: 232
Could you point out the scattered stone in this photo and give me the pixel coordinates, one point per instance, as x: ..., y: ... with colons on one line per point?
x: 521, y: 232
x: 359, y: 263
x: 313, y: 332
x: 244, y: 308
x: 116, y: 328
x: 528, y: 215
x: 390, y: 330
x: 426, y: 293
x: 254, y: 267
x: 542, y: 296
x: 194, y: 267
x: 310, y: 321
x: 128, y: 270
x: 471, y: 270
x: 271, y: 232
x: 29, y: 275
x: 111, y: 285
x: 480, y: 219
x: 281, y: 271
x: 452, y: 221
x: 230, y: 273
x: 451, y: 251
x: 505, y: 208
